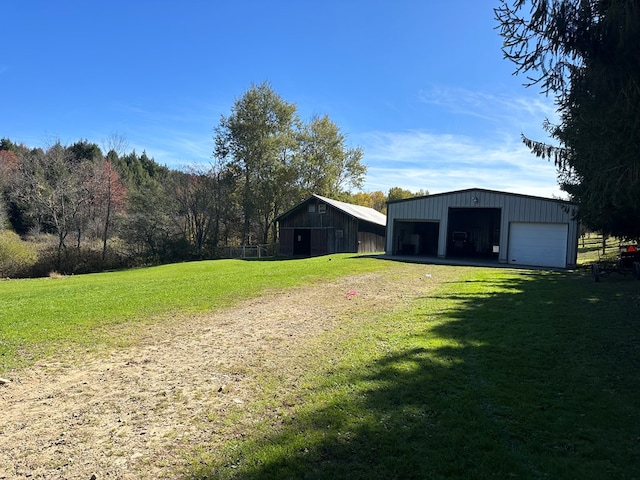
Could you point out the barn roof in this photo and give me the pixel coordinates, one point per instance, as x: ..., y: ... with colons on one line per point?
x: 357, y: 211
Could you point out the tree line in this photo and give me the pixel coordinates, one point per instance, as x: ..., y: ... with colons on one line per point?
x: 81, y: 208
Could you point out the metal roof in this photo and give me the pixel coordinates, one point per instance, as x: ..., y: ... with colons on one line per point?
x: 357, y: 211
x: 361, y: 213
x: 454, y: 192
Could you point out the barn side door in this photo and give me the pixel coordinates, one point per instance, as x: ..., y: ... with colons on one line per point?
x: 286, y: 242
x: 318, y: 242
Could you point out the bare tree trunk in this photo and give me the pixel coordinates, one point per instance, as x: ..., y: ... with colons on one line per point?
x: 105, y: 232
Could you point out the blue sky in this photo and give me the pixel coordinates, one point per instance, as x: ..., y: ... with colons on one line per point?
x: 421, y: 86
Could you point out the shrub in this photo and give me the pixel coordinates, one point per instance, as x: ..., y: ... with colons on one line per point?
x: 16, y: 256
x: 75, y: 261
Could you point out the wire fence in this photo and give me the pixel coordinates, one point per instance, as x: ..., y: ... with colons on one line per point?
x: 249, y: 251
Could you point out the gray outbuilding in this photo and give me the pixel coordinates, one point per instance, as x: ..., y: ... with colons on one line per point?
x: 321, y: 225
x: 485, y: 224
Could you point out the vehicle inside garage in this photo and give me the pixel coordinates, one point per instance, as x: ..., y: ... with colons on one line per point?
x: 486, y: 225
x: 473, y: 232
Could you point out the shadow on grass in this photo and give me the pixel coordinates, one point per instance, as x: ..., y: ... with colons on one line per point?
x: 531, y: 376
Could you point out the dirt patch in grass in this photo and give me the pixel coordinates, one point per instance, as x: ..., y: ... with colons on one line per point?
x: 137, y: 413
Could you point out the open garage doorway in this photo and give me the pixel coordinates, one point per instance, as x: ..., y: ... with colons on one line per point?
x: 416, y: 237
x: 473, y: 232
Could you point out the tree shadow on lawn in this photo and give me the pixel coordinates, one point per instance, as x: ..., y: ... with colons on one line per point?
x: 535, y: 376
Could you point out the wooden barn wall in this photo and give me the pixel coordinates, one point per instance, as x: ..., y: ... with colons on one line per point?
x: 515, y: 208
x: 319, y: 242
x: 286, y: 242
x: 331, y: 219
x: 370, y: 242
x: 302, y: 218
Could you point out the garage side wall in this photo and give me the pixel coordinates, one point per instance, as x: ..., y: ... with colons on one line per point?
x: 535, y: 210
x: 514, y: 208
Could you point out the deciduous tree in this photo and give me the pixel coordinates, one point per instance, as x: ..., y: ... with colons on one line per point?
x: 195, y: 195
x: 256, y: 138
x: 397, y: 193
x: 147, y: 228
x: 325, y: 164
x: 107, y: 198
x: 376, y: 200
x: 279, y: 160
x: 55, y: 187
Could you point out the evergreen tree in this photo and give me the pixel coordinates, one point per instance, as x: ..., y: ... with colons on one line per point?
x: 587, y: 54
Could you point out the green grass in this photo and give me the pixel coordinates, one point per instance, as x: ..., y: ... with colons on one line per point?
x: 494, y: 374
x: 42, y: 316
x: 590, y: 249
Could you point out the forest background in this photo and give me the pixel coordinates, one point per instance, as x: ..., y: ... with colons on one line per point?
x: 83, y: 208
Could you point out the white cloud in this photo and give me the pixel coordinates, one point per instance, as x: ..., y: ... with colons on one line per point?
x: 501, y: 112
x: 418, y: 160
x: 489, y: 155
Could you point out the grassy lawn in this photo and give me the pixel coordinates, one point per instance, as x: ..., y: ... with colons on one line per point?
x: 493, y: 373
x: 590, y: 249
x: 43, y: 316
x: 496, y: 374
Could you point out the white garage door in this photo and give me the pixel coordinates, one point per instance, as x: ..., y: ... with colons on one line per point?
x: 539, y: 244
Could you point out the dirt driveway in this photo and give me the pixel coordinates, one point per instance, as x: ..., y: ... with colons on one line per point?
x: 136, y: 413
